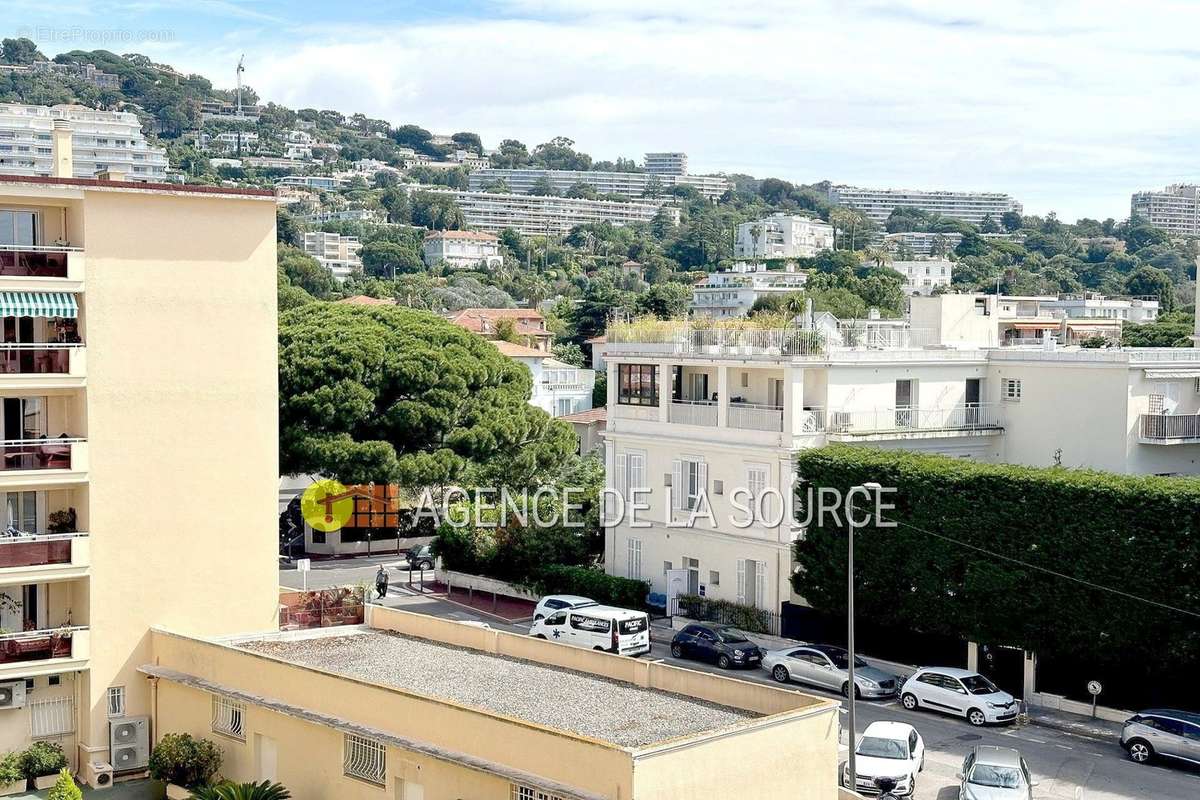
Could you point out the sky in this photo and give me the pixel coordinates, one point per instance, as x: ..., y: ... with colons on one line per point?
x: 1068, y: 106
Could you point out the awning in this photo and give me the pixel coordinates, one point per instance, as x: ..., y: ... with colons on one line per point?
x: 38, y: 304
x: 1035, y: 326
x: 1167, y: 374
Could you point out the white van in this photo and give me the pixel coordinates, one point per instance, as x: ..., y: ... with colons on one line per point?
x: 614, y: 630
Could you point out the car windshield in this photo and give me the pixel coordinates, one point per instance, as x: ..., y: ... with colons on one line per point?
x: 977, y: 684
x: 997, y: 777
x: 876, y: 747
x: 731, y: 635
x: 841, y: 660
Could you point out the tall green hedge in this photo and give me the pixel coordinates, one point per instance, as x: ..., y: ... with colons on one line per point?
x: 1134, y: 534
x: 591, y: 582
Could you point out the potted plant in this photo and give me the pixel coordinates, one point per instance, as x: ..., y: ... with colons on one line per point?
x: 12, y: 777
x: 64, y: 787
x: 184, y: 763
x: 61, y: 521
x: 42, y: 763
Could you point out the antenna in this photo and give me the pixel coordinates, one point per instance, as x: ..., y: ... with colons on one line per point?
x: 240, y: 69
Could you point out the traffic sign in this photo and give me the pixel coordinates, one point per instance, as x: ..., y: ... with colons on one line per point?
x: 1094, y: 687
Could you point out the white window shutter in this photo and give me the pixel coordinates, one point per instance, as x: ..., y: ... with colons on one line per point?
x: 741, y: 582
x: 760, y: 584
x: 621, y: 484
x: 678, y: 490
x: 702, y: 481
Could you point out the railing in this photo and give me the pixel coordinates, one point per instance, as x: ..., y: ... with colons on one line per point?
x: 684, y: 339
x: 34, y: 261
x: 755, y: 417
x: 694, y: 412
x: 745, y: 618
x: 812, y: 420
x: 35, y: 358
x: 34, y: 550
x: 38, y: 645
x: 885, y: 337
x: 36, y: 453
x: 1157, y: 427
x: 899, y: 419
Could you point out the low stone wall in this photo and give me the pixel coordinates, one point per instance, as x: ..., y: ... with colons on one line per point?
x: 479, y: 583
x: 1060, y: 703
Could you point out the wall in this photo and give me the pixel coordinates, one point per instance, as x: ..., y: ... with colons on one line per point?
x: 182, y: 421
x: 15, y: 722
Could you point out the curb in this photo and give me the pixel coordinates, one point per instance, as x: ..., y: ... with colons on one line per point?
x: 1067, y: 727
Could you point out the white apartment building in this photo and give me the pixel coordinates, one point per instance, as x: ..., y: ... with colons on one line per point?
x: 99, y: 140
x: 373, y: 215
x: 782, y: 236
x: 708, y: 420
x: 559, y: 389
x: 922, y: 243
x: 922, y: 277
x: 1175, y: 209
x: 732, y: 294
x: 627, y: 184
x: 535, y: 215
x: 336, y: 252
x: 972, y: 207
x: 325, y: 182
x: 1091, y: 305
x: 231, y: 138
x: 461, y: 249
x: 666, y: 163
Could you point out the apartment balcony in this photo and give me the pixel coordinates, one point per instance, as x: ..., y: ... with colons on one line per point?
x: 42, y: 652
x: 756, y: 417
x: 693, y: 412
x: 914, y: 423
x: 36, y: 558
x: 42, y: 365
x: 41, y: 268
x: 30, y: 463
x: 1169, y: 429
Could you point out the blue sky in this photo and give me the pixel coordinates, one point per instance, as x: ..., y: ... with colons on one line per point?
x: 1068, y: 106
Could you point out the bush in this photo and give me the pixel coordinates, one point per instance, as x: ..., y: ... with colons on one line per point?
x: 725, y: 612
x: 64, y: 788
x: 42, y: 758
x: 591, y: 582
x: 184, y: 760
x: 10, y: 769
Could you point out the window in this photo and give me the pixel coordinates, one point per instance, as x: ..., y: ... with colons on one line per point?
x: 666, y: 567
x: 53, y: 717
x: 757, y: 476
x: 689, y: 482
x: 1010, y: 390
x: 227, y: 717
x: 714, y: 578
x: 634, y: 556
x: 522, y: 792
x: 364, y: 759
x: 116, y: 701
x: 557, y: 619
x: 637, y: 384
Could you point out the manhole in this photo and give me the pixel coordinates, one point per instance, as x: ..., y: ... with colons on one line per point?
x: 970, y: 737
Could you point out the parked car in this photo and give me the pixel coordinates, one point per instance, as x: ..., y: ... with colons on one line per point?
x: 1162, y: 732
x: 717, y: 644
x: 959, y: 692
x: 557, y: 602
x: 829, y: 667
x: 995, y: 773
x: 596, y: 627
x: 886, y: 750
x: 420, y: 557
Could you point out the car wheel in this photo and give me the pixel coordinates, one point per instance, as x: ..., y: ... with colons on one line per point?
x: 676, y: 651
x: 909, y: 701
x: 846, y: 691
x: 723, y: 661
x: 538, y: 617
x: 540, y: 636
x: 1140, y: 752
x: 912, y: 785
x: 976, y: 717
x: 780, y: 674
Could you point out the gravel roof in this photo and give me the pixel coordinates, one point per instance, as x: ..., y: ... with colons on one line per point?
x: 630, y: 716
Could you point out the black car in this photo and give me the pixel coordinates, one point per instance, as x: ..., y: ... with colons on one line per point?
x: 420, y: 557
x: 717, y: 644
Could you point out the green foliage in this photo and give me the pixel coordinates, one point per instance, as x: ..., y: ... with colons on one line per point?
x: 43, y: 758
x: 228, y: 790
x: 569, y: 353
x: 302, y: 270
x: 1169, y: 330
x: 437, y: 211
x: 65, y: 788
x: 665, y: 301
x: 591, y: 582
x: 11, y: 769
x: 184, y: 760
x: 1154, y: 282
x: 1135, y: 534
x: 707, y: 609
x: 384, y: 259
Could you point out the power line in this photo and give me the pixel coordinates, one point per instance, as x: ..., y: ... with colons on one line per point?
x: 1048, y: 571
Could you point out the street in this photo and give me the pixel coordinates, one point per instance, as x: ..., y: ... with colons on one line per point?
x: 1064, y: 764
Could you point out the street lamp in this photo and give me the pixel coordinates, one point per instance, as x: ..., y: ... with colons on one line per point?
x: 851, y: 687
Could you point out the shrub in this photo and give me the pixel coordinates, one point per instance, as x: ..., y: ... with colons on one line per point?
x: 42, y: 758
x: 228, y: 790
x: 591, y: 582
x: 184, y: 760
x: 707, y: 609
x: 10, y: 769
x: 64, y: 788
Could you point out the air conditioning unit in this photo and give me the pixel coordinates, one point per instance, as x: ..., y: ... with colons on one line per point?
x: 12, y: 694
x: 99, y: 775
x: 129, y: 744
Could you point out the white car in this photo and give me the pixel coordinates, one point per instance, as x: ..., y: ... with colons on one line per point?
x: 959, y: 692
x: 557, y: 602
x: 887, y: 750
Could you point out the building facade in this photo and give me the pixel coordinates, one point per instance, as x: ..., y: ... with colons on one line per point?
x: 1092, y: 305
x: 1175, y: 209
x: 337, y: 253
x: 99, y: 141
x: 732, y: 294
x: 536, y: 215
x: 972, y: 207
x: 138, y: 387
x: 632, y: 185
x: 666, y: 163
x: 922, y: 277
x: 782, y: 236
x: 461, y: 249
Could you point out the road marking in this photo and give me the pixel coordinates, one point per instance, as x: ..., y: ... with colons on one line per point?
x: 1064, y: 747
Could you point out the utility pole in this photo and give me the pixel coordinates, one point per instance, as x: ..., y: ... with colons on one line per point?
x: 851, y: 688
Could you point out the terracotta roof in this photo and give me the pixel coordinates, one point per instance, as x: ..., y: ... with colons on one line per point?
x: 601, y: 339
x: 518, y: 350
x: 96, y: 183
x: 587, y: 417
x: 474, y: 319
x: 478, y: 235
x: 365, y: 300
x: 497, y: 313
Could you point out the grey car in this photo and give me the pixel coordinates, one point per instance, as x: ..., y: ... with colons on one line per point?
x: 828, y: 666
x: 995, y: 773
x: 1162, y: 732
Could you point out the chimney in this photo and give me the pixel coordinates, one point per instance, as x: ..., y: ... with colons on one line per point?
x: 64, y: 160
x: 111, y: 174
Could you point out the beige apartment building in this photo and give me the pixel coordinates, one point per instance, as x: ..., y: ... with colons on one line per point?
x: 139, y: 457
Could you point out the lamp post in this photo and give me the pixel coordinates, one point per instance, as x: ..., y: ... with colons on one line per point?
x: 851, y: 688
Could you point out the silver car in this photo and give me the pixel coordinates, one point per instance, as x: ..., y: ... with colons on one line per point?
x: 828, y: 666
x: 1162, y: 732
x: 995, y: 773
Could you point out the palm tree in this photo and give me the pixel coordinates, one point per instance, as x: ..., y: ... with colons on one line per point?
x: 228, y: 790
x: 880, y: 255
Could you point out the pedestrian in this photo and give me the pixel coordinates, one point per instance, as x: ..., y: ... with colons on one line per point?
x: 381, y: 582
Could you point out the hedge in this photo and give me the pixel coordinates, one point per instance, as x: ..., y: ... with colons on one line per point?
x: 591, y: 582
x: 726, y: 612
x: 1131, y: 533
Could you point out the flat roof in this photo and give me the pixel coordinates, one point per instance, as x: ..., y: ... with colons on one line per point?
x: 96, y: 183
x: 575, y: 702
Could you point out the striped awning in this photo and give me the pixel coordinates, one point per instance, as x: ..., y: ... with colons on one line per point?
x: 38, y: 304
x: 1168, y: 374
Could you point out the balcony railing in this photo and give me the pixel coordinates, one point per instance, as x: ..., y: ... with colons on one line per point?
x: 34, y: 261
x: 1168, y: 427
x: 40, y: 645
x: 756, y: 417
x: 38, y: 550
x: 35, y: 358
x: 17, y: 454
x: 902, y: 419
x: 694, y: 412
